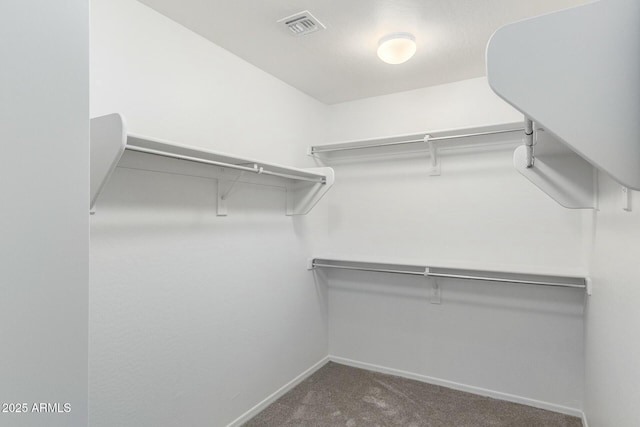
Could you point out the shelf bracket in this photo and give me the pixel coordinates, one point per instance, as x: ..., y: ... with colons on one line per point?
x: 302, y: 196
x: 559, y: 172
x: 589, y: 285
x: 224, y: 191
x: 433, y: 152
x: 436, y: 291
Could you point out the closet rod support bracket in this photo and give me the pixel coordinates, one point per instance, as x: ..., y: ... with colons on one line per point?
x: 626, y: 199
x: 588, y: 285
x: 436, y: 291
x: 310, y: 264
x: 433, y: 153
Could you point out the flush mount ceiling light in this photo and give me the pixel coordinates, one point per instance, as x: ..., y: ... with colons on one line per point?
x: 397, y: 48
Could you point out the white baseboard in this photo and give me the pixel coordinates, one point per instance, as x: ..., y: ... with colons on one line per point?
x: 584, y: 420
x: 277, y: 394
x: 463, y: 387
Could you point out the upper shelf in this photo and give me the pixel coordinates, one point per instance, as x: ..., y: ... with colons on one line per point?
x: 575, y: 73
x: 431, y: 141
x: 109, y: 141
x: 473, y: 134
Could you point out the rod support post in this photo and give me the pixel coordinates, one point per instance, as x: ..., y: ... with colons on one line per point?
x: 529, y: 142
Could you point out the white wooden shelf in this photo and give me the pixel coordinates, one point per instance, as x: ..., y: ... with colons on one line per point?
x: 471, y: 134
x: 110, y: 141
x: 431, y: 141
x: 582, y: 86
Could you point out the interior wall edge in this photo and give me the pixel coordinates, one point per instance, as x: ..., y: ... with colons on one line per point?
x: 611, y: 368
x: 44, y: 227
x: 278, y: 393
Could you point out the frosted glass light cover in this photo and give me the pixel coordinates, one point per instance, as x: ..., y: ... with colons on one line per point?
x: 397, y: 48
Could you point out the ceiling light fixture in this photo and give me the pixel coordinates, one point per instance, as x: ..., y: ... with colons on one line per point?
x: 397, y: 48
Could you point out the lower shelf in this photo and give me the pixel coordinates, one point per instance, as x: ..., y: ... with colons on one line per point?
x: 455, y: 273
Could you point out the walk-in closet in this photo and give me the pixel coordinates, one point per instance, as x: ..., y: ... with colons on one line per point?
x: 416, y: 213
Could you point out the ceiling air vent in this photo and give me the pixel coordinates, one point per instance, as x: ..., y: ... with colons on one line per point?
x: 302, y: 23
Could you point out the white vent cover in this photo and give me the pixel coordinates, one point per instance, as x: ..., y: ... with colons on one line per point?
x: 302, y: 23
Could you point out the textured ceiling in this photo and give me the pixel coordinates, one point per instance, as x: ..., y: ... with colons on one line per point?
x: 340, y: 63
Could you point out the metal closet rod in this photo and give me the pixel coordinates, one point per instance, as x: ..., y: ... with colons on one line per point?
x: 416, y: 141
x: 427, y: 273
x: 255, y: 169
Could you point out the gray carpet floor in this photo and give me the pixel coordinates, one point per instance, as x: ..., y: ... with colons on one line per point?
x: 338, y: 395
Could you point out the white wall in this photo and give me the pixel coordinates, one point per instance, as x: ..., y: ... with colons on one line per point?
x: 612, y: 315
x: 479, y: 213
x: 44, y: 231
x: 196, y: 318
x: 454, y: 105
